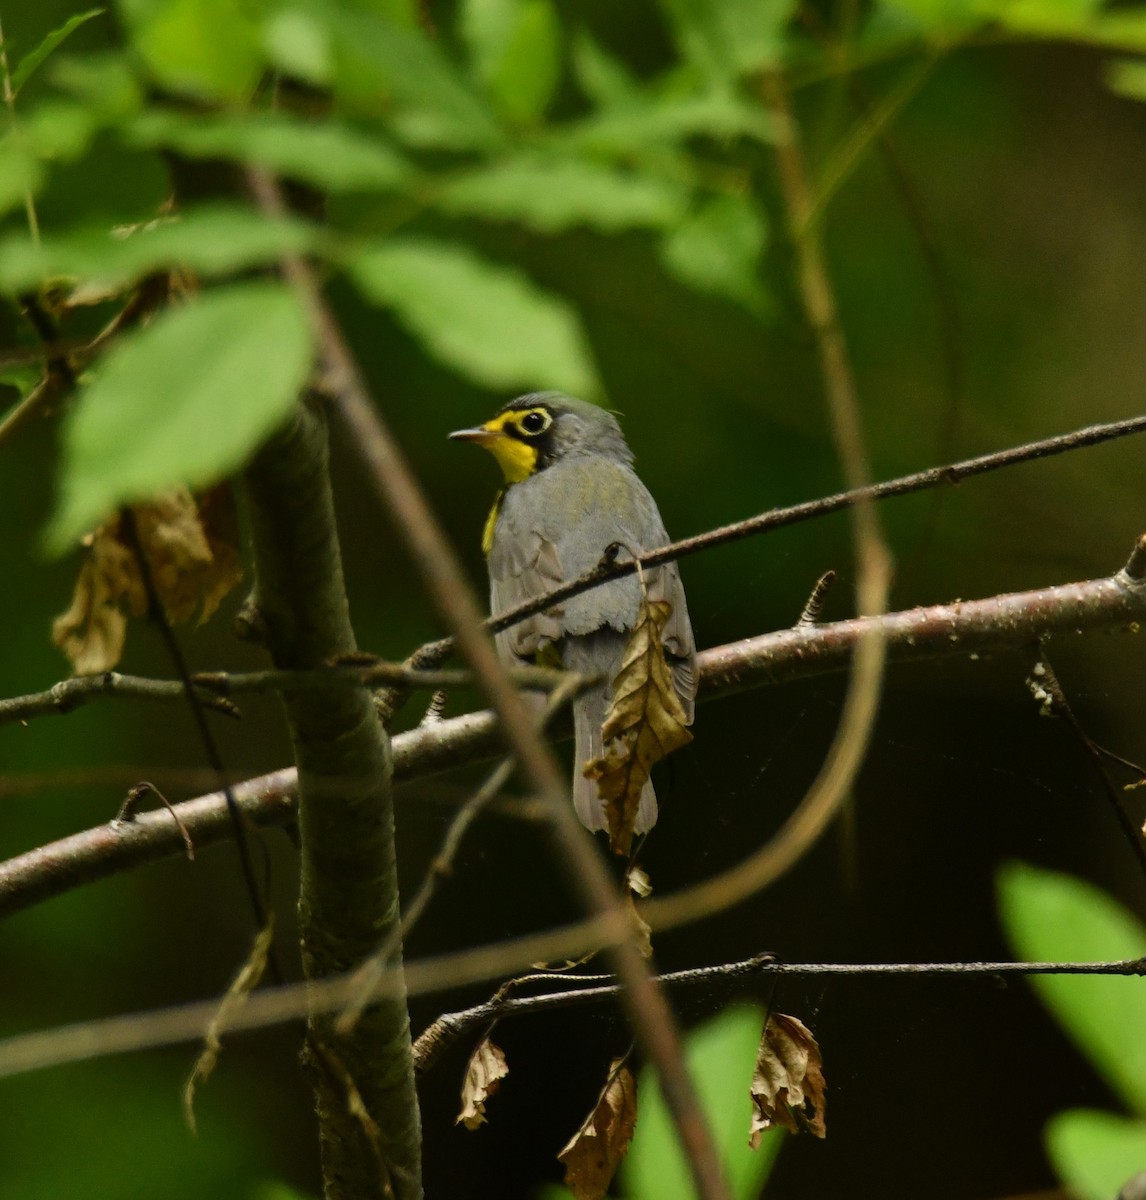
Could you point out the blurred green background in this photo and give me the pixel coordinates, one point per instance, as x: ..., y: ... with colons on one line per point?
x: 1028, y: 176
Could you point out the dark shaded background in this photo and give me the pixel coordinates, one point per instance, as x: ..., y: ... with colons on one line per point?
x: 1031, y: 179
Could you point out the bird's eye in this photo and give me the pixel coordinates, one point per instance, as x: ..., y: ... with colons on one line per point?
x: 534, y: 422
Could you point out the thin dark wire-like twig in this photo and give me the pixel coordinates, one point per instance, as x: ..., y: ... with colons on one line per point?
x: 275, y: 1005
x: 1047, y: 678
x: 206, y: 737
x: 437, y: 1037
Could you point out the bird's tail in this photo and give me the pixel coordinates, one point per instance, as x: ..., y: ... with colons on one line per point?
x: 598, y: 654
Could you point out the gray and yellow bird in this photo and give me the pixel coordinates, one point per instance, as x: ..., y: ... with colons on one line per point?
x: 570, y: 495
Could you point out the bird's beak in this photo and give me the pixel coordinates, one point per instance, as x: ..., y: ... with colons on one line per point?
x: 481, y: 435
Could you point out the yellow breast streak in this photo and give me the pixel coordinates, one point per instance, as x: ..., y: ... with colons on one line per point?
x: 517, y: 459
x: 490, y: 522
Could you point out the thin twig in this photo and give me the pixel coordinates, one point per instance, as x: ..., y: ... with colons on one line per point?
x: 64, y: 365
x: 69, y: 694
x: 442, y: 864
x: 446, y: 1029
x: 777, y: 518
x: 271, y: 1006
x: 433, y: 1041
x: 213, y: 687
x: 255, y: 890
x: 1047, y: 678
x: 450, y: 592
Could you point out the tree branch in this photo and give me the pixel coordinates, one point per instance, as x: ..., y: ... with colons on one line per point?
x: 449, y: 590
x: 213, y: 687
x: 349, y: 890
x: 967, y: 627
x: 436, y: 1038
x: 778, y: 518
x: 270, y: 1006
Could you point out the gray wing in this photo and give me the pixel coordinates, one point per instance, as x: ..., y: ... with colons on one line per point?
x: 557, y: 525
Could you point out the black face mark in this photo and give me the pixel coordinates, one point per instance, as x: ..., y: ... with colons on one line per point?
x: 535, y: 427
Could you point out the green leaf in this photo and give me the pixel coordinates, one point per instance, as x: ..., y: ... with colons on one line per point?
x: 1095, y: 1153
x: 184, y: 400
x: 334, y: 157
x: 35, y: 58
x: 488, y: 321
x: 717, y: 250
x: 1127, y: 77
x: 1056, y: 918
x: 21, y: 173
x: 630, y: 128
x: 721, y: 1056
x: 300, y: 45
x: 523, y: 71
x: 208, y: 241
x: 59, y: 129
x: 727, y: 38
x: 207, y: 48
x: 603, y: 78
x: 430, y: 103
x: 103, y: 82
x: 940, y: 19
x: 755, y: 30
x: 550, y: 195
x: 278, y: 1191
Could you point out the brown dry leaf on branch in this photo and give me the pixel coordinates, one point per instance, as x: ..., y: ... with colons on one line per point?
x: 192, y: 548
x: 484, y: 1072
x: 788, y: 1084
x: 594, y: 1152
x: 645, y: 722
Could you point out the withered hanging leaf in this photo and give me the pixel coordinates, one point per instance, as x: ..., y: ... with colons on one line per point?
x: 645, y: 722
x: 243, y: 985
x: 192, y: 548
x: 788, y: 1083
x: 594, y: 1152
x: 108, y: 588
x: 484, y: 1072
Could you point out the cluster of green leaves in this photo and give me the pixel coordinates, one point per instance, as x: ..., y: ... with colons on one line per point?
x: 420, y: 136
x: 1056, y: 918
x: 418, y: 130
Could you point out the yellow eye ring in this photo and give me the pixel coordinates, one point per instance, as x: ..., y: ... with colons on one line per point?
x: 534, y: 423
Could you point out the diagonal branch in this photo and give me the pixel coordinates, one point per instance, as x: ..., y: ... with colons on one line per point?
x: 449, y: 590
x: 967, y: 627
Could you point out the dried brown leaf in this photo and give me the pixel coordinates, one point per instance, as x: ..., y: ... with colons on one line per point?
x: 788, y: 1084
x: 192, y: 548
x: 241, y: 987
x: 594, y: 1152
x: 645, y: 721
x: 108, y: 588
x: 484, y: 1072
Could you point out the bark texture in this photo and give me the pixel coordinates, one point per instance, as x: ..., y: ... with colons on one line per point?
x: 369, y: 1125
